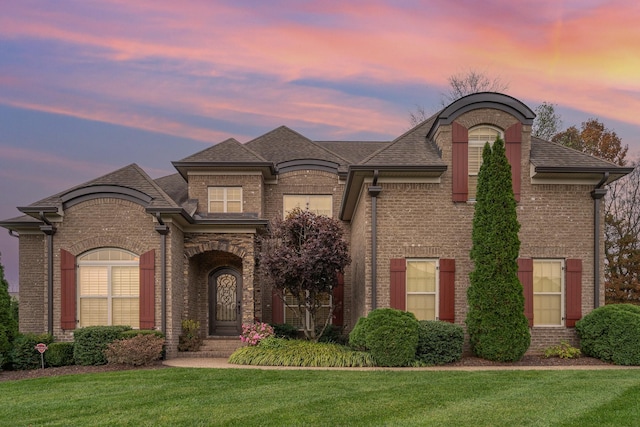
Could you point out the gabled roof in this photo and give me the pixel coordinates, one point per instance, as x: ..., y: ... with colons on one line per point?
x: 551, y: 160
x: 175, y: 186
x: 353, y: 151
x: 285, y: 147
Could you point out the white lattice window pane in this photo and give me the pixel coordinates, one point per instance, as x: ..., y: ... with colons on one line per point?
x: 126, y: 311
x: 547, y: 276
x: 422, y: 305
x: 216, y: 206
x: 125, y: 281
x: 547, y: 309
x: 234, y: 207
x: 234, y: 194
x: 93, y: 280
x: 421, y: 276
x: 475, y: 159
x: 93, y: 312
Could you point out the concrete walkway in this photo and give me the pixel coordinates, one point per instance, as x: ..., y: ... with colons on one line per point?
x: 219, y: 363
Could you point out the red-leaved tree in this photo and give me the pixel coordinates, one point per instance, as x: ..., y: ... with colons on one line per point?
x: 301, y: 257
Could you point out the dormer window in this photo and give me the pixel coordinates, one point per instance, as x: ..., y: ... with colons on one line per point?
x: 478, y: 137
x: 225, y: 199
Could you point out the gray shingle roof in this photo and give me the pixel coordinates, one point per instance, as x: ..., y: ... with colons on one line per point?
x: 550, y: 154
x: 229, y: 150
x: 353, y: 151
x: 175, y: 186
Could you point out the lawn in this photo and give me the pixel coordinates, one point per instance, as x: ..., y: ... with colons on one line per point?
x: 180, y: 396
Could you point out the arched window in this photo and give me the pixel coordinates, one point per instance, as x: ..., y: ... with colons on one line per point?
x: 108, y: 288
x: 478, y: 137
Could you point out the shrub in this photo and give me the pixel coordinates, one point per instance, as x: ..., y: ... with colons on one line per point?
x: 90, y: 343
x: 284, y: 352
x: 564, y: 350
x: 333, y: 333
x: 252, y: 333
x: 392, y: 336
x: 190, y: 339
x: 610, y: 333
x: 285, y: 330
x: 357, y: 337
x: 24, y: 355
x: 59, y: 354
x: 139, y: 350
x: 135, y: 332
x: 439, y: 342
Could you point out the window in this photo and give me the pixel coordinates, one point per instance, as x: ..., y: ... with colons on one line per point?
x: 478, y: 137
x: 225, y: 199
x: 108, y: 288
x: 548, y: 296
x: 317, y: 203
x: 290, y: 315
x: 422, y: 285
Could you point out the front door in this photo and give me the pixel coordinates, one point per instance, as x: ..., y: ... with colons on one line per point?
x: 225, y: 296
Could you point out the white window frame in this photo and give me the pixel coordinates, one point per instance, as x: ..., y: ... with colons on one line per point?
x: 225, y: 198
x: 479, y: 144
x: 108, y: 264
x: 436, y: 261
x: 308, y: 197
x: 562, y: 292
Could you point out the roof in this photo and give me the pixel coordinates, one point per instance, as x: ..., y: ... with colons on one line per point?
x: 229, y: 150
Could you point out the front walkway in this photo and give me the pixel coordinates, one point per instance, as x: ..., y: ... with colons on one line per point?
x: 220, y: 363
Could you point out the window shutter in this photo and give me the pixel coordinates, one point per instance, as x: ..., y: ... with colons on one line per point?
x: 398, y: 284
x: 573, y: 283
x: 447, y: 290
x: 147, y: 290
x: 513, y: 146
x: 67, y: 290
x: 525, y: 274
x: 459, y: 162
x: 338, y: 301
x: 277, y: 307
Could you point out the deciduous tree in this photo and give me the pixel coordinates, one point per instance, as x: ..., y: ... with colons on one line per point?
x: 547, y: 122
x: 302, y: 257
x: 497, y: 326
x: 594, y: 139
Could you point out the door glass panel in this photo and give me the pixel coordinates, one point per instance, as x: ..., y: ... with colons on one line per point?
x: 226, y: 297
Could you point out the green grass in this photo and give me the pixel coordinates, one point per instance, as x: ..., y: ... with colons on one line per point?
x: 193, y: 397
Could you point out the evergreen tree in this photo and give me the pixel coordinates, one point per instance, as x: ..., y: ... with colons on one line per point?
x: 497, y: 326
x: 8, y: 320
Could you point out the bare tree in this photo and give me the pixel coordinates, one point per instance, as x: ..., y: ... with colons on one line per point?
x: 547, y: 122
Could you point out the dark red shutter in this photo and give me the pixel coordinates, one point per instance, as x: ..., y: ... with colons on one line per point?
x: 447, y: 290
x: 525, y: 274
x: 277, y: 307
x: 147, y: 290
x: 398, y: 284
x: 513, y: 146
x: 573, y: 297
x: 67, y: 290
x: 338, y: 301
x: 460, y: 162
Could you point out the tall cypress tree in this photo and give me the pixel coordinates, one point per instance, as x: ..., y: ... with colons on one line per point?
x: 497, y: 326
x: 8, y: 322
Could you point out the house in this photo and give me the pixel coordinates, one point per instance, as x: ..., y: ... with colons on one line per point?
x: 127, y: 249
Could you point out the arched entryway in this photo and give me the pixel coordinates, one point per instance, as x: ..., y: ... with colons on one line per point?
x: 225, y: 302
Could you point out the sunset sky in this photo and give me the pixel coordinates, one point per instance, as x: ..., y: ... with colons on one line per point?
x: 87, y: 87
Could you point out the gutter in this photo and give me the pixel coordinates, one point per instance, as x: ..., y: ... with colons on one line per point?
x: 374, y: 191
x: 49, y: 230
x: 163, y: 230
x: 597, y: 194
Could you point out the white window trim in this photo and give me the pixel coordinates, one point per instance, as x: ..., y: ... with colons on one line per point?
x: 562, y: 294
x: 225, y: 198
x: 108, y: 265
x: 437, y: 285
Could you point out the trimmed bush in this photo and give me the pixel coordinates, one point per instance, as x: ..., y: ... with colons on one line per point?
x: 139, y: 350
x: 283, y: 352
x: 334, y: 334
x: 611, y: 333
x: 135, y: 332
x: 59, y: 354
x: 439, y: 342
x: 357, y: 337
x: 392, y: 336
x: 285, y: 330
x: 190, y: 339
x: 24, y: 354
x: 92, y: 341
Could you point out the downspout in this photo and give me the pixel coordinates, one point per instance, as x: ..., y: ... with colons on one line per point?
x: 374, y: 191
x: 163, y: 230
x: 49, y: 230
x: 597, y: 194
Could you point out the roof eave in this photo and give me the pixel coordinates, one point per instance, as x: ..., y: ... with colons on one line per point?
x: 267, y: 168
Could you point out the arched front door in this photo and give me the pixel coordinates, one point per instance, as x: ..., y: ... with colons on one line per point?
x: 225, y: 297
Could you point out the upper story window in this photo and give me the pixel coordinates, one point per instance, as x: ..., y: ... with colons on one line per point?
x: 478, y: 137
x: 319, y: 204
x: 108, y: 288
x: 225, y: 199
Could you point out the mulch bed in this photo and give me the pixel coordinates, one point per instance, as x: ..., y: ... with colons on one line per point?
x: 528, y: 360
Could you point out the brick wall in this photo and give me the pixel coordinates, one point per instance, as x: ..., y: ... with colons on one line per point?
x: 33, y: 283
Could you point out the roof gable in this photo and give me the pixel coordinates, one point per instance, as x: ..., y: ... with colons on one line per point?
x: 229, y: 150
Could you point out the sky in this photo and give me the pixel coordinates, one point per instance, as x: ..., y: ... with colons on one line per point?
x: 87, y: 87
